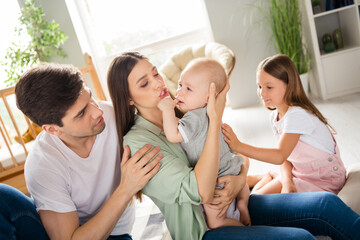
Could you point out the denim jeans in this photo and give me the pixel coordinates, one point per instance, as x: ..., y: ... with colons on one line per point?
x: 19, y: 219
x: 294, y: 216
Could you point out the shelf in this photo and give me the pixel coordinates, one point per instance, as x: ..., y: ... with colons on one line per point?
x: 339, y: 51
x: 334, y: 11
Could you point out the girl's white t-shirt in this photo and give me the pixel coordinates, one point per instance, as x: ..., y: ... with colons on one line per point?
x: 313, y: 131
x: 61, y: 181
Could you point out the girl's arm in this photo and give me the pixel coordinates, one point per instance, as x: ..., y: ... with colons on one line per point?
x: 207, y: 167
x: 170, y: 121
x: 277, y: 156
x: 286, y: 178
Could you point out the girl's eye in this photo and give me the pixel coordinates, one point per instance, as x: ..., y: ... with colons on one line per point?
x: 188, y: 89
x: 269, y: 87
x: 179, y: 86
x: 156, y: 74
x: 259, y: 87
x: 144, y: 85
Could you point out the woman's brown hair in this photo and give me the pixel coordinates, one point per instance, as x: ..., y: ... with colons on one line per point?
x: 282, y: 67
x: 117, y: 80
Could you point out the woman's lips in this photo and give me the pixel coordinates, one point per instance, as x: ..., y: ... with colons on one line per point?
x: 164, y: 93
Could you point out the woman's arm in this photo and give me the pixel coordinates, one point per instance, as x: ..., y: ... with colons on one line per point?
x: 233, y: 185
x: 207, y: 167
x: 278, y: 155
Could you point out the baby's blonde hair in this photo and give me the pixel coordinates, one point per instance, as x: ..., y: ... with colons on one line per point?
x: 213, y: 69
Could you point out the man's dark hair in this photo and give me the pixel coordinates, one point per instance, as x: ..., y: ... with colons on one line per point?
x: 46, y: 92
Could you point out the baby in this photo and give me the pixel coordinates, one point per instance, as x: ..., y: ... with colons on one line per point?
x: 191, y: 130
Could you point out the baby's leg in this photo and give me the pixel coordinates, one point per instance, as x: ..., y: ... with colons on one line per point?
x: 274, y: 186
x: 213, y: 221
x: 242, y: 205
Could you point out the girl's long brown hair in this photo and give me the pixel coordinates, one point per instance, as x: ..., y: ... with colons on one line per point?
x: 118, y: 86
x: 282, y: 67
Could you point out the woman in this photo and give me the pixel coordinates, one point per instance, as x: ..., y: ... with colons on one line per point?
x: 136, y: 88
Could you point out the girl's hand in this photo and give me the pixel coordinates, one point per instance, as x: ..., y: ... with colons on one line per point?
x: 216, y: 104
x: 225, y: 196
x: 167, y: 104
x: 230, y: 137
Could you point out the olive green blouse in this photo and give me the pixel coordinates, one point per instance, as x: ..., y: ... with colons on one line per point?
x: 174, y: 188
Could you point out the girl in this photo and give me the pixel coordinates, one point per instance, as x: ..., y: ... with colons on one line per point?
x: 307, y: 151
x: 136, y: 88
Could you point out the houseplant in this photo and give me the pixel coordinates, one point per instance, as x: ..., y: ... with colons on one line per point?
x: 285, y: 22
x: 45, y: 39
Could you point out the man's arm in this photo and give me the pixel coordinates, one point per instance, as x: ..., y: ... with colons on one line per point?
x: 135, y: 173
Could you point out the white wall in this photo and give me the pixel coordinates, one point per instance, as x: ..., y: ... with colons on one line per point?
x: 57, y: 10
x: 235, y: 23
x: 239, y: 25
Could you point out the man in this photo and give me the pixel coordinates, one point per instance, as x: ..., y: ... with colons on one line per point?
x: 80, y: 185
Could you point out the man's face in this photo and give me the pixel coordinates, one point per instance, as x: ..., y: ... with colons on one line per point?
x: 84, y: 118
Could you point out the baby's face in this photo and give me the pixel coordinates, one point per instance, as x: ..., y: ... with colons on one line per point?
x: 193, y: 89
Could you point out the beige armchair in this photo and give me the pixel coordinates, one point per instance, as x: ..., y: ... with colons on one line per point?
x: 172, y: 68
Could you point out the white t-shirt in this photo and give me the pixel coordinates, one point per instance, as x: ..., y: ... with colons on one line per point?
x: 312, y: 130
x: 61, y: 181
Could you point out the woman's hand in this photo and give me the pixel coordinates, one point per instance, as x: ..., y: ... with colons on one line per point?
x: 230, y: 137
x: 216, y: 104
x: 225, y: 196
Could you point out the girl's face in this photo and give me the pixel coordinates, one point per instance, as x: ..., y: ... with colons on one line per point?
x: 146, y: 86
x: 270, y: 90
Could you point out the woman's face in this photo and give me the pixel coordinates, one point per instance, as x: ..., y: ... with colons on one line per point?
x: 146, y: 86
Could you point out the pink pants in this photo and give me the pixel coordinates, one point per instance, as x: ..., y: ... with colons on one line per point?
x: 315, y: 170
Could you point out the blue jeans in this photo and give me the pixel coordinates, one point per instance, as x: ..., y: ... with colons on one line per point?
x: 19, y: 219
x: 294, y: 216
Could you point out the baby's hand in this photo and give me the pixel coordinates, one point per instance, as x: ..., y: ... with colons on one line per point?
x: 167, y: 104
x: 230, y: 137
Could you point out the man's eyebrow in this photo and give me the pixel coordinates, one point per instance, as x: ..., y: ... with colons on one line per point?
x: 83, y: 110
x: 144, y: 75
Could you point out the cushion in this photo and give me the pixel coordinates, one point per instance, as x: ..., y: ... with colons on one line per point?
x: 350, y: 193
x: 172, y: 68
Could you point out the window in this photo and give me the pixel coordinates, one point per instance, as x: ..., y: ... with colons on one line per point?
x: 9, y: 14
x: 155, y: 28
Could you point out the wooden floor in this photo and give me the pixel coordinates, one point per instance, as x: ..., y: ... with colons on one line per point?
x: 252, y: 126
x: 17, y: 181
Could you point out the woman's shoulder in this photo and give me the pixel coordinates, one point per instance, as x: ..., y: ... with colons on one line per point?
x: 141, y: 133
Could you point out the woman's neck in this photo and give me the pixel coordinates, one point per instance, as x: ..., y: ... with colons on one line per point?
x: 154, y: 117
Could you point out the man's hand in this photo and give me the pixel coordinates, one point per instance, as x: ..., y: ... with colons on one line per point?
x: 138, y: 170
x: 167, y: 104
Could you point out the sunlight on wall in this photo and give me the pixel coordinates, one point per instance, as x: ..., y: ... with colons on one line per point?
x: 9, y: 14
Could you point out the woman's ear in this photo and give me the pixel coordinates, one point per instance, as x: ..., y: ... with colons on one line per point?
x: 131, y: 102
x: 52, y: 129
